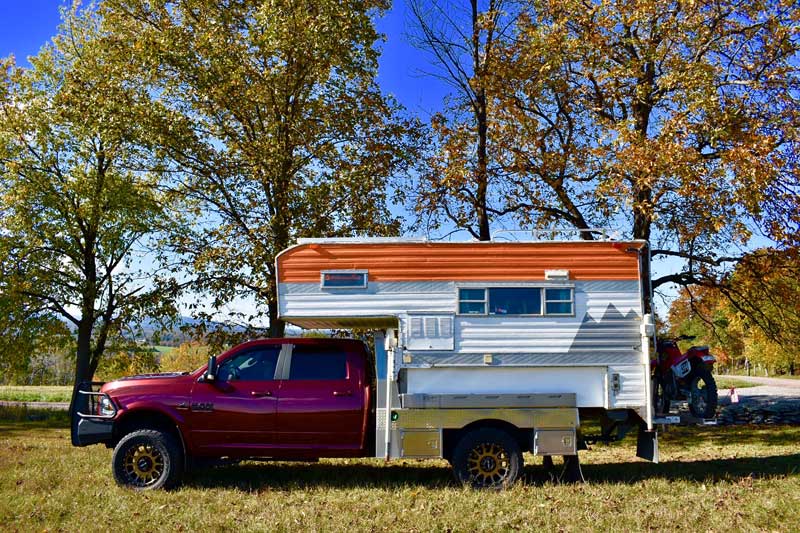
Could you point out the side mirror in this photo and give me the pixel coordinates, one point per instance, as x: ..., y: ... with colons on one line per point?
x: 211, y: 371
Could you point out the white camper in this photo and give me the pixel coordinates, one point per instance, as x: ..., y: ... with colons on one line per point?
x: 483, y: 338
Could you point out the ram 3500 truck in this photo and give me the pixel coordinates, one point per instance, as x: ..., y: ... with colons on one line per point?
x: 483, y: 350
x: 284, y: 399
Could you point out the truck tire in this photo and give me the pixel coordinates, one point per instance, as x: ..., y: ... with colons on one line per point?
x: 487, y: 458
x: 703, y: 399
x: 147, y: 459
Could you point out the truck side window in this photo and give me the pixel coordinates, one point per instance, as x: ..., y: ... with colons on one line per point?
x: 256, y: 364
x: 314, y: 362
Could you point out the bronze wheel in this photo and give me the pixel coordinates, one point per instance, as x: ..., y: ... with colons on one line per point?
x: 147, y: 459
x: 143, y: 464
x: 487, y: 459
x: 488, y: 464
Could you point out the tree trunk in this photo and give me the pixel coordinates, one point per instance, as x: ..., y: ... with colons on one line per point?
x: 277, y: 327
x: 82, y: 368
x: 482, y: 172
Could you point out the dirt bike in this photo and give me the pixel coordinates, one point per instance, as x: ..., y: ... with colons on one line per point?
x: 684, y: 376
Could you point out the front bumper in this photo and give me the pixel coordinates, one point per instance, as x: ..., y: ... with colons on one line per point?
x: 93, y: 431
x: 90, y: 424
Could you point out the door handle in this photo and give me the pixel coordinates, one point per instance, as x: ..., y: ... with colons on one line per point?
x: 255, y: 394
x: 342, y: 393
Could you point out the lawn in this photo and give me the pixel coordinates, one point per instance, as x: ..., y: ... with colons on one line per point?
x: 44, y: 393
x: 710, y: 479
x: 727, y: 383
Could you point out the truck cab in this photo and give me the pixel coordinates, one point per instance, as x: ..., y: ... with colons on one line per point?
x: 293, y: 398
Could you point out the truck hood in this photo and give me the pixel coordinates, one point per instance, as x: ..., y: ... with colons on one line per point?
x: 133, y: 384
x: 163, y: 375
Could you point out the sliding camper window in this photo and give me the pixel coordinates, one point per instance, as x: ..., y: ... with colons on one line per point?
x: 472, y: 301
x: 535, y: 301
x: 558, y: 301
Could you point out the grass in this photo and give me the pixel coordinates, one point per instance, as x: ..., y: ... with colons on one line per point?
x: 711, y: 479
x: 727, y: 383
x: 43, y: 393
x: 164, y: 349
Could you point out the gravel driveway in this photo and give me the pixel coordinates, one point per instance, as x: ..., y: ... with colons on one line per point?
x: 771, y: 401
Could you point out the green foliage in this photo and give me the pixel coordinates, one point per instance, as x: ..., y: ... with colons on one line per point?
x: 187, y: 357
x: 273, y: 127
x: 128, y: 362
x: 74, y: 200
x: 753, y: 316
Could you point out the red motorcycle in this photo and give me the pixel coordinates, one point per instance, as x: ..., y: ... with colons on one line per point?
x: 684, y: 376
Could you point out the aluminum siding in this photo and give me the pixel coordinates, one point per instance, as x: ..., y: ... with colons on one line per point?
x: 476, y: 261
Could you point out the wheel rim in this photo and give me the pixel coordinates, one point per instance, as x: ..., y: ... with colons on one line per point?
x: 488, y: 465
x: 699, y: 394
x: 143, y: 465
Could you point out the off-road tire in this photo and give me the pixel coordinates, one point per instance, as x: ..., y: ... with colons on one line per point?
x: 487, y: 458
x: 147, y: 459
x: 709, y: 410
x: 662, y: 399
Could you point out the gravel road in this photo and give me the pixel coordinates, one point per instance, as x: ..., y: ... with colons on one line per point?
x: 771, y: 401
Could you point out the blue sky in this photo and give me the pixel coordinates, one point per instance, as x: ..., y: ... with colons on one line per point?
x: 26, y: 25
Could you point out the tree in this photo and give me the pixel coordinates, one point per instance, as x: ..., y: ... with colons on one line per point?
x: 458, y: 182
x: 755, y: 314
x: 74, y: 206
x: 185, y: 358
x: 695, y: 111
x: 276, y: 128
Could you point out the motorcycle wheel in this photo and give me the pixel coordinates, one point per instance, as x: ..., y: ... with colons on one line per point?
x: 662, y: 400
x: 702, y: 393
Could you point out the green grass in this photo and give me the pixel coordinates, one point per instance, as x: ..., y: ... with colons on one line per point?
x: 710, y: 479
x: 164, y: 349
x: 44, y: 393
x: 727, y: 383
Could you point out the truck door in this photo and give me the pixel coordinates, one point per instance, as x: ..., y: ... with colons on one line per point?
x: 320, y: 404
x: 236, y: 413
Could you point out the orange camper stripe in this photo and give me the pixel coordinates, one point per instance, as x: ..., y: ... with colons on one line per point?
x: 462, y: 261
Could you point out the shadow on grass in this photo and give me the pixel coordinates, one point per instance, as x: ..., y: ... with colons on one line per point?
x: 293, y: 476
x: 730, y: 435
x: 708, y: 471
x: 18, y: 419
x: 286, y: 476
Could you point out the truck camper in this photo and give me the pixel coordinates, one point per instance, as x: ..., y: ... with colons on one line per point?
x: 484, y: 343
x: 483, y: 351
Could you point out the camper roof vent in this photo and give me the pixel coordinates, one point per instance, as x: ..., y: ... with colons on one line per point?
x: 556, y: 274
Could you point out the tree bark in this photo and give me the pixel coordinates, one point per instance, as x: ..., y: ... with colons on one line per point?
x: 482, y: 172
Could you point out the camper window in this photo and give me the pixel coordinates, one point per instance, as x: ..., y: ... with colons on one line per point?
x: 558, y: 301
x: 516, y: 301
x: 472, y: 301
x: 343, y: 279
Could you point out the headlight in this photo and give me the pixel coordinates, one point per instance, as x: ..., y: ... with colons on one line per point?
x: 106, y: 407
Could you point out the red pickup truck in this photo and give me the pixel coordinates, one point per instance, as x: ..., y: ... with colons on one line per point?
x: 291, y: 398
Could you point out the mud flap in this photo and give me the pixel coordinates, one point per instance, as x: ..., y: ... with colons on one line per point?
x: 647, y: 445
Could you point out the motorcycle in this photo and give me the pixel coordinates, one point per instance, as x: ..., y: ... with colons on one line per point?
x: 684, y: 376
